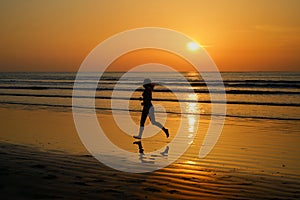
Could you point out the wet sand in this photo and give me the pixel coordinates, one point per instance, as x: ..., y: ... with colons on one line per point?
x: 43, y: 158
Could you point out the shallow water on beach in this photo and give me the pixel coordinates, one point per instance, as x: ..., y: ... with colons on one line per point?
x: 258, y: 157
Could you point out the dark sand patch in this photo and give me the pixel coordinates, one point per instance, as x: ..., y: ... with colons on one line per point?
x: 30, y: 173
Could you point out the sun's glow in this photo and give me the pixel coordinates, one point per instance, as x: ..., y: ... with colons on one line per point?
x: 190, y: 162
x: 193, y: 46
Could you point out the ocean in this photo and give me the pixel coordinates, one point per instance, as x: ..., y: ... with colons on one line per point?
x: 249, y: 95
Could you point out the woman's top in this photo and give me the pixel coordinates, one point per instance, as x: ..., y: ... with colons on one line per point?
x: 147, y: 96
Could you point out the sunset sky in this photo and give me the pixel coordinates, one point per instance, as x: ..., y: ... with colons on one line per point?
x: 240, y: 35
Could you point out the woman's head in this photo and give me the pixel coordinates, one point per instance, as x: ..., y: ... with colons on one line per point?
x: 148, y: 83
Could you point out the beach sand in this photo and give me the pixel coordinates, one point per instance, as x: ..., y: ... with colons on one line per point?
x: 42, y: 157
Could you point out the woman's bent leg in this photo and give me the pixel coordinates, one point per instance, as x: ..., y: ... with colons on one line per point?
x: 156, y: 123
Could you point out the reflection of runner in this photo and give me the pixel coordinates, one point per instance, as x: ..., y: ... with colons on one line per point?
x: 146, y: 159
x: 143, y: 158
x: 148, y: 109
x: 165, y: 152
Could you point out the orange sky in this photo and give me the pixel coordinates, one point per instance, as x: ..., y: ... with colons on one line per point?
x: 139, y: 57
x: 240, y: 35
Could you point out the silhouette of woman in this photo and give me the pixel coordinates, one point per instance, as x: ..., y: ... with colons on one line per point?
x: 148, y: 109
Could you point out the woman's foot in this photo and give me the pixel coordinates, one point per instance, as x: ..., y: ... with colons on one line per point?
x: 137, y: 137
x: 166, y: 132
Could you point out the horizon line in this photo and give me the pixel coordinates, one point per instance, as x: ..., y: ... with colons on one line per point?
x: 224, y: 71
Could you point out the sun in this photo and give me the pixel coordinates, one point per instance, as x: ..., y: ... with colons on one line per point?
x: 193, y: 46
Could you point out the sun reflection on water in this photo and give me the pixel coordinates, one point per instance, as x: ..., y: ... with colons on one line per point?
x: 193, y: 110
